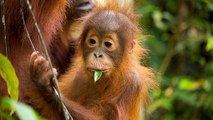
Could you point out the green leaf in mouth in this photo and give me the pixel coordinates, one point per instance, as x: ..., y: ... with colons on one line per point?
x: 97, y: 75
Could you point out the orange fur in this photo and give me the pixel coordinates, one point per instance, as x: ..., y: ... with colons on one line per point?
x: 121, y: 96
x: 118, y: 95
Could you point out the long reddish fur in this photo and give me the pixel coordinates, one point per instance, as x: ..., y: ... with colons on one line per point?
x: 128, y: 88
x: 49, y: 15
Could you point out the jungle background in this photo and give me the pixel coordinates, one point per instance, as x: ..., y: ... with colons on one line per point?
x: 179, y: 36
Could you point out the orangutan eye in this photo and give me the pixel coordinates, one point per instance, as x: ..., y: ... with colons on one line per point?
x: 92, y: 41
x: 108, y: 44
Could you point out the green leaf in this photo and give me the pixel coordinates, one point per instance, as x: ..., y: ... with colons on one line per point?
x: 97, y: 75
x: 210, y: 6
x: 165, y: 103
x: 187, y: 97
x: 24, y: 112
x: 158, y: 20
x: 187, y: 84
x: 7, y: 72
x: 209, y: 45
x: 6, y: 116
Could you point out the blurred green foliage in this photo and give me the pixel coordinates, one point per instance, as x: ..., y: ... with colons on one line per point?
x: 24, y: 112
x: 179, y: 36
x: 8, y: 74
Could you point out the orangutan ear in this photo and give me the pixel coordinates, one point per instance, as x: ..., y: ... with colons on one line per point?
x: 132, y: 45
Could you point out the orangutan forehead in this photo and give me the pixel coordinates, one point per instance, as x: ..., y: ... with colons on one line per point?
x: 108, y: 21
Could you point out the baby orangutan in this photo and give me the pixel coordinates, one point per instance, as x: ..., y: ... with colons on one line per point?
x: 109, y: 43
